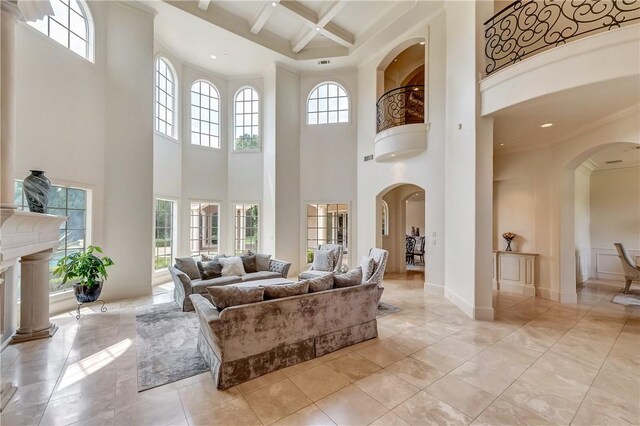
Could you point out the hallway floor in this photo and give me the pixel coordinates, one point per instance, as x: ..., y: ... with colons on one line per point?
x: 540, y: 362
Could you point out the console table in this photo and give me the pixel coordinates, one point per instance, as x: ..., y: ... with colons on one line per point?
x: 515, y: 272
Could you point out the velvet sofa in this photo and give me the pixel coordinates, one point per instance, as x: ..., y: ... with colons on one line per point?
x: 247, y: 341
x: 184, y: 286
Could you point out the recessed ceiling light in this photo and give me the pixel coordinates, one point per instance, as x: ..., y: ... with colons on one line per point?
x: 317, y: 28
x: 213, y: 57
x: 274, y: 4
x: 501, y: 144
x: 546, y: 125
x: 393, y: 155
x: 422, y: 43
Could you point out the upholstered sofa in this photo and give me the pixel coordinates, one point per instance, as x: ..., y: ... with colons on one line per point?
x: 247, y: 341
x: 185, y: 286
x: 312, y: 272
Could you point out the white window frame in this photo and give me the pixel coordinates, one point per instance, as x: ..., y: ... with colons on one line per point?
x: 327, y: 110
x: 385, y: 217
x: 234, y: 224
x: 174, y: 231
x: 156, y: 117
x: 304, y: 227
x: 43, y: 26
x: 220, y: 231
x: 259, y: 125
x: 209, y: 110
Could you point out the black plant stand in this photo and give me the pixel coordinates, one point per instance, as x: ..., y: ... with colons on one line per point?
x: 103, y: 308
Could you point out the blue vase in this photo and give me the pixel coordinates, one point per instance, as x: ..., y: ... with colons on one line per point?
x: 36, y: 190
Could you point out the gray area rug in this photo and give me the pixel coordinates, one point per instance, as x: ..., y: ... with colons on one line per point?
x: 167, y: 345
x: 385, y: 309
x: 630, y: 299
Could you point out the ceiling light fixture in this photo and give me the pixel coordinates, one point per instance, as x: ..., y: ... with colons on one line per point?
x: 274, y: 4
x: 501, y: 144
x: 213, y: 57
x: 393, y: 155
x: 546, y: 125
x: 317, y: 28
x: 422, y: 43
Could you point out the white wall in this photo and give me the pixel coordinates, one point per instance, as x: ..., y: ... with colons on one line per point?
x: 513, y: 205
x: 415, y: 216
x: 582, y: 227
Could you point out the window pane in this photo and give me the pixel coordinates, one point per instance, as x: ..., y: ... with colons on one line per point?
x: 57, y: 197
x: 326, y: 100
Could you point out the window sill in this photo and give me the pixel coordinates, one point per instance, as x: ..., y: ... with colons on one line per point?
x: 247, y: 151
x: 166, y: 137
x: 205, y: 148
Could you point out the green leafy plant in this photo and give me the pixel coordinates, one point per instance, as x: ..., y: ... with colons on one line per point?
x: 309, y: 256
x: 85, y: 267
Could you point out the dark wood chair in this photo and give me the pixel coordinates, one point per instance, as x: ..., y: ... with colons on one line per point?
x: 410, y: 247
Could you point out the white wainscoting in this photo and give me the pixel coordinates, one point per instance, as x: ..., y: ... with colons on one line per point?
x: 583, y: 265
x: 607, y: 264
x: 515, y: 272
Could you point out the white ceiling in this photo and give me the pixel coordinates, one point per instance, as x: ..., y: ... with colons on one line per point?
x: 518, y: 127
x: 628, y: 153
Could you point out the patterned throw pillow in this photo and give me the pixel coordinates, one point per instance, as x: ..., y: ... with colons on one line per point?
x: 285, y: 290
x: 229, y: 295
x: 189, y: 266
x: 210, y: 269
x: 368, y: 265
x: 321, y: 283
x: 323, y: 260
x: 232, y: 266
x: 349, y: 279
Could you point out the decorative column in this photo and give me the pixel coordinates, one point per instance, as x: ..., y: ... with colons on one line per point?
x: 34, y: 298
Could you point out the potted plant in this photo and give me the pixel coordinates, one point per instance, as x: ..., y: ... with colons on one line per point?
x: 89, y: 269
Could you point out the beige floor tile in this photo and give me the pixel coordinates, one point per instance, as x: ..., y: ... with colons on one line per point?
x: 479, y: 337
x: 405, y: 343
x: 29, y: 395
x: 423, y: 409
x: 456, y: 348
x: 533, y: 338
x: 203, y: 395
x: 161, y: 409
x: 309, y: 415
x: 462, y: 396
x: 590, y: 359
x: 103, y: 419
x: 620, y: 379
x: 319, y: 382
x: 512, y: 366
x: 387, y: 389
x: 566, y: 367
x: 381, y: 354
x: 490, y: 379
x: 233, y: 413
x: 74, y: 408
x: 554, y: 408
x: 262, y: 381
x: 276, y: 401
x: 22, y: 415
x: 555, y: 384
x: 351, y: 406
x: 353, y: 367
x: 300, y: 367
x: 503, y: 413
x: 415, y: 372
x: 390, y: 419
x: 438, y: 360
x: 603, y: 408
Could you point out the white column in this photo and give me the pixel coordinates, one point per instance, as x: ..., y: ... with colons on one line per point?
x: 9, y: 13
x: 34, y: 298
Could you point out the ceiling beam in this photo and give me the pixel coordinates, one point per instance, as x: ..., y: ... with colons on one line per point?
x: 203, y: 5
x: 262, y: 16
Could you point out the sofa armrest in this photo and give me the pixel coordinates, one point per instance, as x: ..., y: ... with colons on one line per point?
x: 280, y: 266
x: 205, y: 309
x: 181, y: 280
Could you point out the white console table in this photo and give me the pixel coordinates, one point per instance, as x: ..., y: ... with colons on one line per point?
x: 515, y: 272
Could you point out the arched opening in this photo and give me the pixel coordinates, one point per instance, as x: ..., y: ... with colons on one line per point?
x: 599, y: 206
x: 402, y: 214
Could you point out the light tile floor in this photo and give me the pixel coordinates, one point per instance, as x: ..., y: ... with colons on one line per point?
x: 540, y: 362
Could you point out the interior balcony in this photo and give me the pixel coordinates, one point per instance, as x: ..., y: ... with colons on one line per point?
x: 400, y: 127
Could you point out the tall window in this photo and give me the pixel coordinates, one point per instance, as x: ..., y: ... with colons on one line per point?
x: 328, y: 103
x: 327, y: 224
x: 204, y: 228
x: 247, y: 120
x: 205, y: 115
x: 385, y: 218
x: 164, y: 244
x: 165, y: 98
x: 63, y: 201
x: 70, y: 25
x: 246, y: 233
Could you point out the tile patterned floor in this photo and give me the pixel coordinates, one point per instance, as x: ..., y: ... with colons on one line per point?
x: 539, y: 363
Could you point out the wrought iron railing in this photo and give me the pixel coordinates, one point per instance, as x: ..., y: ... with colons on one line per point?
x: 526, y: 27
x: 403, y: 105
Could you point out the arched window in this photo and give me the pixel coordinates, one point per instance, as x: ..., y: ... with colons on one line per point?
x: 70, y: 25
x: 328, y: 103
x: 385, y: 218
x: 165, y: 98
x: 247, y: 120
x: 205, y: 115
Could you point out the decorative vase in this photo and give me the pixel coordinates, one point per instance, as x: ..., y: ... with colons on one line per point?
x: 36, y: 189
x: 508, y: 245
x: 85, y: 294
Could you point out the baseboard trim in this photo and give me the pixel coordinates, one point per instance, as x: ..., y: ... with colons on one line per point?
x: 434, y: 288
x: 476, y: 313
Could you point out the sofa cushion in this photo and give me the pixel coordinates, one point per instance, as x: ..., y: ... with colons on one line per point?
x: 321, y: 283
x: 210, y: 269
x: 200, y: 286
x: 209, y: 257
x: 232, y: 266
x: 324, y: 260
x: 368, y: 265
x: 189, y: 266
x: 260, y: 275
x: 224, y: 297
x: 249, y: 263
x: 348, y: 279
x: 285, y: 290
x: 262, y: 261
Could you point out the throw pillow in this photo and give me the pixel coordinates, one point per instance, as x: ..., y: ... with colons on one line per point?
x: 227, y: 296
x: 210, y: 269
x: 368, y: 265
x: 321, y: 283
x: 209, y: 257
x: 232, y: 266
x: 285, y: 290
x: 189, y: 266
x: 249, y: 263
x: 323, y: 260
x: 262, y: 261
x: 349, y: 279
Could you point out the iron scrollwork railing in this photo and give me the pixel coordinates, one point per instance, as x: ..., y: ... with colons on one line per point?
x: 403, y: 105
x: 526, y: 27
